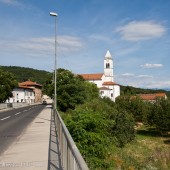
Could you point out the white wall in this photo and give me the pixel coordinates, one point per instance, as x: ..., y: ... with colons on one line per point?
x: 116, y: 91
x: 22, y: 95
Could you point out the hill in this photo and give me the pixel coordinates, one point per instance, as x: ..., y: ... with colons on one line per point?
x: 133, y: 90
x: 22, y: 74
x: 40, y: 76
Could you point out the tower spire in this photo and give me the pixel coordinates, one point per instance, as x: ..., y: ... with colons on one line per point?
x: 108, y: 55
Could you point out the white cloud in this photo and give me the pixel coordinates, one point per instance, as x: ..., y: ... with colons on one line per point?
x: 70, y: 43
x: 128, y: 74
x: 141, y: 30
x: 10, y: 2
x: 159, y: 84
x: 147, y: 65
x: 144, y: 76
x: 40, y: 46
x: 99, y: 38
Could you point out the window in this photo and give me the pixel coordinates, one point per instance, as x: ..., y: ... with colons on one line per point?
x: 107, y: 65
x: 111, y: 94
x: 101, y: 92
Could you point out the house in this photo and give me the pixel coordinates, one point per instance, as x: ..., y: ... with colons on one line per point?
x: 36, y: 88
x: 105, y: 81
x: 151, y: 97
x: 22, y: 95
x: 26, y: 92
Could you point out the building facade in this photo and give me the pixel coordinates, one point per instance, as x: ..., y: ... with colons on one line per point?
x: 105, y: 81
x: 36, y: 88
x: 26, y: 92
x: 22, y: 95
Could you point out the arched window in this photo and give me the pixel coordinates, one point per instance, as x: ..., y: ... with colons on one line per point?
x: 107, y: 65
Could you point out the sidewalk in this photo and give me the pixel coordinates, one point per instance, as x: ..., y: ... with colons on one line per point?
x: 31, y: 150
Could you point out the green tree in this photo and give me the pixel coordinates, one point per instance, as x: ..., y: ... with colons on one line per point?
x: 124, y: 128
x: 70, y: 90
x: 138, y: 108
x: 48, y: 86
x: 7, y: 84
x: 159, y: 116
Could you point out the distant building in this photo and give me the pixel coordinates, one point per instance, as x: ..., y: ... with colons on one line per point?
x: 47, y: 99
x: 105, y: 81
x: 22, y: 95
x: 151, y: 97
x: 26, y: 92
x: 36, y: 88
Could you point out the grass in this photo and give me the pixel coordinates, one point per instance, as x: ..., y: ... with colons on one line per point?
x: 150, y: 151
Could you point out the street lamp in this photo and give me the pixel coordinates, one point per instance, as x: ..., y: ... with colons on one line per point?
x: 55, y: 62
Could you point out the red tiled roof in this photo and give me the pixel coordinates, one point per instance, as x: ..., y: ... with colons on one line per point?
x: 29, y: 83
x: 25, y: 87
x: 92, y: 76
x: 104, y: 88
x: 152, y: 96
x: 109, y: 83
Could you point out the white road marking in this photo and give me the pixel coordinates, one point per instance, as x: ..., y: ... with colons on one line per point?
x: 25, y: 110
x: 17, y: 113
x: 5, y: 118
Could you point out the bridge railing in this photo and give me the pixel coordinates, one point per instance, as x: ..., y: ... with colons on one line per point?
x: 70, y: 156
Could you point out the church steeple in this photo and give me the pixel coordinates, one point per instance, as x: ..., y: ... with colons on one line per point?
x: 108, y: 66
x: 108, y: 55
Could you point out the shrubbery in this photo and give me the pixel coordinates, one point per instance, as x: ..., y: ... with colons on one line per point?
x: 99, y: 125
x: 7, y: 84
x: 96, y: 126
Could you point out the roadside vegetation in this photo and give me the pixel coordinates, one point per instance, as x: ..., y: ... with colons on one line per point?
x: 127, y: 135
x: 7, y: 83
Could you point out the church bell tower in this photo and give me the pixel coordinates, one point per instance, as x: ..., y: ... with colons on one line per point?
x: 108, y: 67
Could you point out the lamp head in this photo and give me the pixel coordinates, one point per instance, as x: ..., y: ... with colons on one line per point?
x: 53, y: 14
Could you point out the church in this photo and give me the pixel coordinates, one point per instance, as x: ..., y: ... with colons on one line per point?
x: 105, y: 81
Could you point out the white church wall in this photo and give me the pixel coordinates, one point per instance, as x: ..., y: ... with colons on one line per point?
x: 106, y: 93
x: 116, y: 89
x: 97, y: 82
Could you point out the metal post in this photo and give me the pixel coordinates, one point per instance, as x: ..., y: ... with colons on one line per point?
x: 55, y: 62
x: 55, y: 93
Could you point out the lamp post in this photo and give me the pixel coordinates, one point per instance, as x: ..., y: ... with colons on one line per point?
x: 55, y: 61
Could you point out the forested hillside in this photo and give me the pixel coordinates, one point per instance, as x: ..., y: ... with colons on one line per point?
x: 129, y: 90
x: 23, y: 74
x: 41, y: 76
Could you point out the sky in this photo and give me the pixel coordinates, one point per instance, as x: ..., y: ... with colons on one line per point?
x: 136, y: 32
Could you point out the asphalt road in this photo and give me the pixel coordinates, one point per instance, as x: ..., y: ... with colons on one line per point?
x: 14, y: 122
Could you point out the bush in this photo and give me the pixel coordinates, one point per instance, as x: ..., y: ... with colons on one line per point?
x: 124, y: 128
x: 95, y: 127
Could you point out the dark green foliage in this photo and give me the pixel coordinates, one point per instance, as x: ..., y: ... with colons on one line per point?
x: 23, y: 74
x: 7, y: 83
x: 91, y: 91
x: 159, y: 115
x: 48, y: 86
x: 135, y: 106
x: 124, y: 128
x: 129, y: 90
x: 71, y: 90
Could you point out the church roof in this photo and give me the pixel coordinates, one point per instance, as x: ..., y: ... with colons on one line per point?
x: 92, y: 76
x: 109, y: 83
x: 108, y: 55
x: 104, y: 88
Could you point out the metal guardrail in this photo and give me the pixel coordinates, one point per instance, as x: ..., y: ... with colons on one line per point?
x: 70, y: 156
